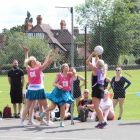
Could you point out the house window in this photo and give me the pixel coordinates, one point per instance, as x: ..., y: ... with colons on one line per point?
x: 30, y: 35
x: 36, y: 35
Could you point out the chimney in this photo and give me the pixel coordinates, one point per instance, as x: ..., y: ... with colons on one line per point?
x: 28, y: 26
x: 39, y: 19
x: 76, y: 31
x: 63, y: 24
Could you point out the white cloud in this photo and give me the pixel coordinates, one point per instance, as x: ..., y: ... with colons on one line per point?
x: 13, y: 12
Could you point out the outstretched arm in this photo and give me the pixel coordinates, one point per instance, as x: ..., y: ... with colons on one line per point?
x: 26, y: 52
x: 89, y: 58
x: 49, y: 59
x: 89, y: 63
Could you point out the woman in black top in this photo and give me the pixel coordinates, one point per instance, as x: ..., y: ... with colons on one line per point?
x: 119, y: 85
x: 77, y: 87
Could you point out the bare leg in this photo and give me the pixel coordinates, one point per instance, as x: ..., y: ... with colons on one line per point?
x: 26, y: 109
x: 77, y: 102
x: 96, y: 103
x: 110, y: 116
x: 105, y: 114
x: 121, y: 102
x: 19, y: 108
x: 31, y: 112
x: 115, y: 102
x: 62, y: 112
x: 67, y: 113
x: 48, y: 109
x: 15, y: 108
x: 44, y: 104
x: 51, y: 107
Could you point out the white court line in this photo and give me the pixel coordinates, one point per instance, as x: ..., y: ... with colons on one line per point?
x: 39, y: 138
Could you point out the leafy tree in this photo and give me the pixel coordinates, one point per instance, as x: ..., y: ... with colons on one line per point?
x: 137, y: 61
x: 13, y: 50
x: 92, y: 15
x: 113, y: 24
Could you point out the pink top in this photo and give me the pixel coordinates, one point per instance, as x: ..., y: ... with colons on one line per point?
x: 34, y: 75
x: 64, y: 81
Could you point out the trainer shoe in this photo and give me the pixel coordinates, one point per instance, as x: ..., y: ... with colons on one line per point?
x: 29, y: 123
x: 102, y: 125
x: 32, y: 123
x: 22, y: 124
x: 47, y: 123
x: 97, y: 125
x: 18, y: 115
x: 35, y: 124
x: 62, y: 124
x: 119, y: 118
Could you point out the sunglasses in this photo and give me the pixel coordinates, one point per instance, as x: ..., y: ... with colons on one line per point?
x: 85, y: 92
x: 118, y: 70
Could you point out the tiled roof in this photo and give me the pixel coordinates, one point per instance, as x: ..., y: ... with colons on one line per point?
x: 48, y: 30
x: 63, y: 36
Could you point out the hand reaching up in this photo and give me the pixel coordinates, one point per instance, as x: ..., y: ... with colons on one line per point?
x: 25, y: 48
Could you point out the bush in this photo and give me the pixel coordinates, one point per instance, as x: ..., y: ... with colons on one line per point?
x: 137, y: 61
x: 6, y: 67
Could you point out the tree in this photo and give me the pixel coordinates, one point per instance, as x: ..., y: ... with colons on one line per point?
x: 112, y: 24
x: 13, y: 50
x: 92, y: 15
x: 120, y: 27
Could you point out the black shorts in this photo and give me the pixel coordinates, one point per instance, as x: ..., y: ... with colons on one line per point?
x: 16, y: 96
x: 77, y: 94
x: 98, y: 91
x: 118, y: 95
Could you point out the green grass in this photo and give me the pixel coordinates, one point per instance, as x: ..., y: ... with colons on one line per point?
x: 132, y: 102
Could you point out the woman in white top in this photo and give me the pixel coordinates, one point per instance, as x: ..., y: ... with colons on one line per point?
x: 106, y: 105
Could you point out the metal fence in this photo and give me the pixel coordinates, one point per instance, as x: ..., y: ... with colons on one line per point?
x: 84, y: 43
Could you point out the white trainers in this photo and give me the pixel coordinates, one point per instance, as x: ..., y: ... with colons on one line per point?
x: 62, y: 124
x: 29, y: 123
x: 33, y: 123
x: 47, y: 123
x: 22, y: 124
x: 50, y: 123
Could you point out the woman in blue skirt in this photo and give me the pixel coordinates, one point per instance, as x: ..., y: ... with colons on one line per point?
x: 61, y: 95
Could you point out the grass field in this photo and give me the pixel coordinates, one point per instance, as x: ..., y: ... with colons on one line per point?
x: 132, y: 102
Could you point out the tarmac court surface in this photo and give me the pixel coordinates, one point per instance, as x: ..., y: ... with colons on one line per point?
x: 115, y: 130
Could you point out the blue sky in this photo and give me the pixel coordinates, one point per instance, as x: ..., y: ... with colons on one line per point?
x: 13, y: 12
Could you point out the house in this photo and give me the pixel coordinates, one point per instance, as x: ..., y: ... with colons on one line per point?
x: 57, y: 38
x: 60, y: 38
